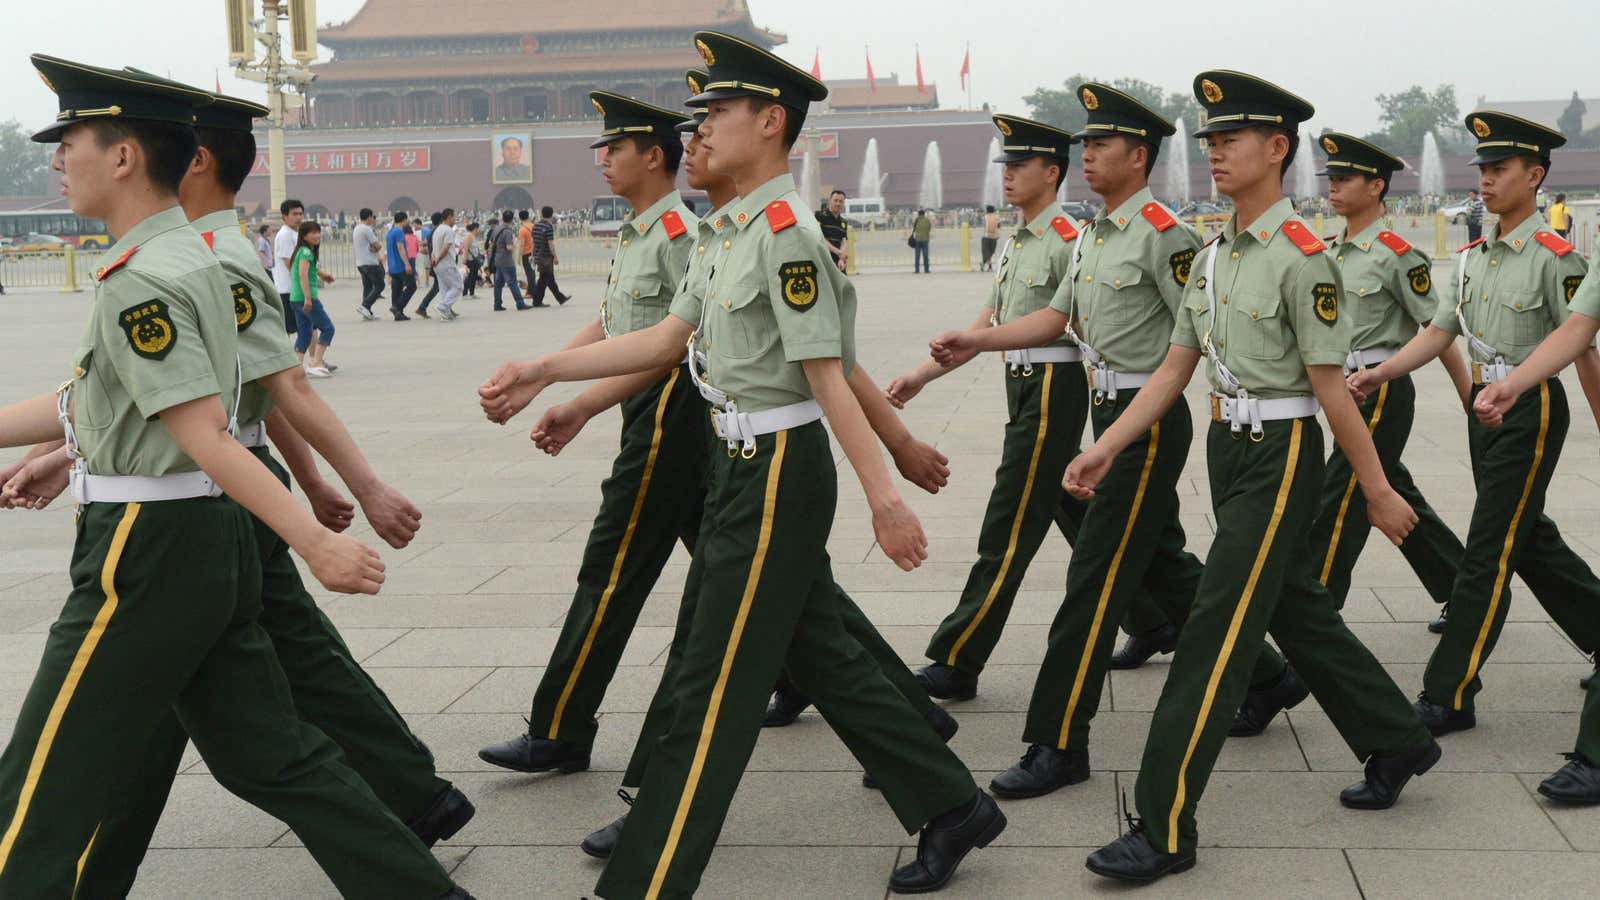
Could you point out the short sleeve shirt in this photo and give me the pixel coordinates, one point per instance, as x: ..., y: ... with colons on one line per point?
x: 1586, y: 297
x: 1128, y: 280
x: 1034, y: 264
x: 444, y: 243
x: 394, y: 244
x: 1388, y: 287
x: 713, y: 235
x: 775, y: 300
x: 653, y: 250
x: 1277, y: 305
x: 361, y: 241
x: 833, y: 230
x: 282, y: 249
x: 161, y: 333
x: 264, y: 347
x: 525, y: 239
x: 1516, y: 289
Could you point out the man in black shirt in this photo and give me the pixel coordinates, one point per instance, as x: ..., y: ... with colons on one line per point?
x: 544, y: 258
x: 831, y: 218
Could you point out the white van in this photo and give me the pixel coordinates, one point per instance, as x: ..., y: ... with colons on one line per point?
x: 868, y: 212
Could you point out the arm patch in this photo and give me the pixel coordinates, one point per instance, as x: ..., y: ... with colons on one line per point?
x: 149, y: 329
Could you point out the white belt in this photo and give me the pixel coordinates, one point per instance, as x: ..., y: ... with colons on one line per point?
x: 88, y: 488
x: 1246, y: 410
x: 1360, y: 359
x: 253, y: 435
x: 742, y: 428
x: 1025, y: 359
x: 1489, y: 373
x: 1105, y: 382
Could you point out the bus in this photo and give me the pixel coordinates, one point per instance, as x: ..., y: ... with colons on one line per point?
x: 21, y: 225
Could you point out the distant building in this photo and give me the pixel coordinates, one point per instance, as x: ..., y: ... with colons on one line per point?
x: 1545, y: 112
x: 858, y: 95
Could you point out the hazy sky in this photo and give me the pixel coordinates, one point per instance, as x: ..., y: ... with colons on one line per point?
x: 1337, y: 60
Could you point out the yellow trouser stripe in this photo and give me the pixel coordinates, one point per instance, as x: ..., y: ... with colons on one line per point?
x: 1016, y: 522
x: 80, y: 661
x: 1233, y: 632
x: 703, y: 748
x: 1503, y: 567
x: 616, y: 564
x: 83, y: 858
x: 1109, y: 583
x: 1349, y: 491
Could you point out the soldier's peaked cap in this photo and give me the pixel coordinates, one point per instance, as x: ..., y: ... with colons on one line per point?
x: 741, y: 69
x: 87, y: 92
x: 1235, y: 100
x: 1111, y: 112
x: 627, y: 117
x: 221, y: 111
x: 1023, y: 138
x: 1502, y: 136
x: 696, y: 80
x: 1350, y: 155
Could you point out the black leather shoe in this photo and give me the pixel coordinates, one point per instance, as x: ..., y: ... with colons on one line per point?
x: 451, y: 810
x: 786, y: 706
x: 599, y: 844
x: 1260, y: 706
x: 1442, y: 720
x: 526, y: 753
x: 1131, y: 858
x: 458, y: 893
x: 947, y: 682
x: 1042, y: 770
x: 1576, y: 782
x: 944, y: 724
x: 1437, y: 626
x: 1387, y: 775
x: 1588, y: 679
x: 940, y: 848
x: 1137, y: 649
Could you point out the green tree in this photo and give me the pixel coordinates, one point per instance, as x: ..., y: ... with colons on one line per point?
x: 1060, y: 106
x: 1571, y: 121
x: 1412, y: 113
x: 24, y: 165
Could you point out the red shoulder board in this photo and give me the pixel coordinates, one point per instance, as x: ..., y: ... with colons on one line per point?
x: 1158, y: 216
x: 209, y: 237
x: 674, y: 223
x: 1471, y: 245
x: 101, y: 273
x: 1394, y: 242
x: 1553, y: 242
x: 779, y: 216
x: 1302, y: 237
x: 1063, y: 227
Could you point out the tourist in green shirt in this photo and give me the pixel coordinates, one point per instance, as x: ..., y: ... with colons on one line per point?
x: 921, y: 231
x: 308, y: 311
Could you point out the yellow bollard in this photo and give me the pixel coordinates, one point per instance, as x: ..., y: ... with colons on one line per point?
x: 850, y: 247
x: 966, y: 247
x: 1320, y: 226
x: 70, y: 257
x: 1440, y: 250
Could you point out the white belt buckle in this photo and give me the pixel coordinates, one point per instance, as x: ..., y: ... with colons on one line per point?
x: 1104, y: 382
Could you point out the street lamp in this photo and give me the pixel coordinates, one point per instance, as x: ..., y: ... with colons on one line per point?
x: 272, y: 70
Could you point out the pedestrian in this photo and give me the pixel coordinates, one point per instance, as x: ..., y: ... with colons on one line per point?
x: 293, y: 212
x: 1275, y: 351
x: 503, y: 258
x: 921, y: 234
x: 525, y: 250
x: 1475, y: 210
x: 365, y: 246
x: 402, y: 276
x: 313, y: 328
x: 991, y: 238
x: 447, y: 264
x: 425, y: 263
x: 545, y: 258
x: 831, y: 218
x: 264, y: 248
x: 474, y: 250
x: 1561, y: 217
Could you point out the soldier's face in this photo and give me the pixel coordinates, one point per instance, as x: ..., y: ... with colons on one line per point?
x: 624, y: 167
x: 1353, y: 193
x: 88, y: 170
x: 1026, y: 181
x: 1110, y: 162
x: 732, y: 133
x: 1508, y: 183
x: 1244, y: 157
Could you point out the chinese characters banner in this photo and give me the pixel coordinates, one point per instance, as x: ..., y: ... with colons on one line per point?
x: 365, y: 160
x: 827, y: 145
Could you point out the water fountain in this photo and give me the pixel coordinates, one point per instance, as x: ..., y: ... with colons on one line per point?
x: 994, y: 190
x: 871, y: 182
x: 810, y: 173
x: 931, y: 194
x: 1305, y: 170
x: 1432, y: 168
x: 1178, y: 168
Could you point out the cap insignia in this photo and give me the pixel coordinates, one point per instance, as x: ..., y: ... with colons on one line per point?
x: 1005, y: 129
x: 597, y: 107
x: 705, y: 52
x: 1480, y: 127
x: 1210, y: 90
x: 1090, y: 101
x: 1330, y: 146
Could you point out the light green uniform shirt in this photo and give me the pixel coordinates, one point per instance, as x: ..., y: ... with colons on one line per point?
x: 1129, y: 283
x: 1517, y: 291
x: 775, y: 300
x: 1034, y: 265
x: 161, y: 333
x: 264, y: 347
x: 1586, y: 298
x: 1278, y: 307
x: 648, y: 266
x: 713, y: 235
x: 1386, y: 294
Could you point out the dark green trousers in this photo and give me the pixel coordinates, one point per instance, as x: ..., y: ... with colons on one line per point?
x: 1589, y: 724
x: 766, y: 596
x: 330, y: 690
x: 1512, y: 466
x: 1047, y: 411
x: 162, y: 617
x: 652, y: 499
x: 1259, y: 578
x: 1130, y: 541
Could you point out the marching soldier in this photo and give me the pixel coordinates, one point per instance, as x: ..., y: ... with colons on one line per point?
x: 146, y: 630
x: 773, y: 349
x: 1506, y: 293
x: 1262, y: 303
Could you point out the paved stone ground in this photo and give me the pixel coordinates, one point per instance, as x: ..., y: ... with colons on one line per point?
x: 471, y: 610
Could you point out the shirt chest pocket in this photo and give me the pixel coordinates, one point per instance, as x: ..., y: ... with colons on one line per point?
x: 1522, y: 317
x: 1255, y: 329
x: 1026, y: 288
x: 647, y: 298
x: 1121, y: 296
x: 748, y: 327
x: 92, y: 408
x: 1368, y: 298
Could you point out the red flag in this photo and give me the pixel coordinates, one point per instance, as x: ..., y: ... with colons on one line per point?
x: 872, y: 83
x: 966, y: 67
x: 218, y: 79
x: 921, y: 88
x: 816, y: 65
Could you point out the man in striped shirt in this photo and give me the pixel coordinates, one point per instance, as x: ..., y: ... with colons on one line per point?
x: 544, y: 258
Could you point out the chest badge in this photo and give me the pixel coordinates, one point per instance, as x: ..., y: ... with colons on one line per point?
x: 799, y: 284
x: 149, y: 328
x: 244, y: 306
x: 1326, y: 298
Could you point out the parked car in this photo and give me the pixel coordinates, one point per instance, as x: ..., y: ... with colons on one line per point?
x: 866, y: 212
x: 1081, y: 211
x: 1456, y: 213
x: 37, y: 242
